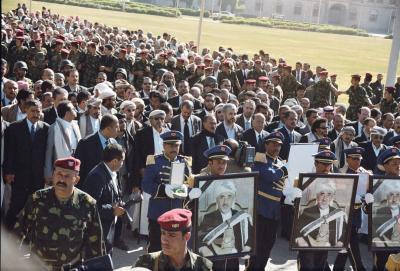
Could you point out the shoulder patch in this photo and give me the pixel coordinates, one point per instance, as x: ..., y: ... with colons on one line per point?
x: 260, y: 157
x: 150, y: 160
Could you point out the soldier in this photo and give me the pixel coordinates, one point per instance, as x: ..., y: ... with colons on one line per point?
x: 91, y: 64
x: 227, y: 73
x: 288, y: 83
x: 157, y: 178
x: 107, y: 62
x: 20, y: 71
x: 367, y: 84
x: 314, y: 259
x: 388, y: 104
x: 75, y: 54
x: 180, y: 70
x: 142, y: 68
x: 160, y: 63
x: 174, y: 255
x: 123, y: 62
x: 323, y: 92
x: 19, y: 52
x: 37, y: 60
x: 257, y: 71
x: 61, y: 222
x: 353, y: 159
x: 389, y: 163
x: 55, y: 55
x: 269, y: 192
x: 357, y: 97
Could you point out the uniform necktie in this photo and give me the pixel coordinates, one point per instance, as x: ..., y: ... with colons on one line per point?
x: 186, y: 136
x: 32, y: 132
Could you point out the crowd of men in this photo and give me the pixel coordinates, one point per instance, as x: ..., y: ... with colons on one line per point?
x: 108, y: 110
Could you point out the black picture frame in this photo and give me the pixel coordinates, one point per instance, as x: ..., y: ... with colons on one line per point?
x: 205, y: 208
x: 341, y: 207
x: 378, y: 186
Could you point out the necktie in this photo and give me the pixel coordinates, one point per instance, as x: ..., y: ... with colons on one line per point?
x: 32, y: 132
x: 211, y: 143
x: 259, y: 139
x: 106, y: 143
x: 186, y: 137
x: 244, y: 75
x: 291, y: 137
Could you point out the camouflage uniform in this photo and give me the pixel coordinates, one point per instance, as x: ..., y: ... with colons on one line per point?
x: 255, y: 74
x: 17, y: 54
x: 144, y: 66
x: 37, y: 62
x: 289, y: 86
x: 231, y: 76
x: 76, y: 57
x: 91, y: 64
x: 157, y: 261
x: 61, y: 232
x: 388, y: 107
x: 158, y: 66
x: 357, y: 98
x: 109, y: 62
x: 324, y: 94
x: 123, y: 63
x: 55, y: 60
x: 180, y: 73
x: 368, y: 89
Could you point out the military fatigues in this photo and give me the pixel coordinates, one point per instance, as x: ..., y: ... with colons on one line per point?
x: 125, y: 63
x: 37, y: 62
x: 231, y: 76
x: 289, y: 86
x: 108, y: 62
x: 180, y: 73
x: 388, y: 107
x: 269, y: 192
x: 357, y: 98
x: 156, y: 175
x: 16, y: 54
x: 61, y: 232
x: 255, y: 74
x: 368, y: 89
x: 323, y: 94
x: 91, y: 64
x: 55, y: 60
x: 158, y: 261
x: 145, y: 67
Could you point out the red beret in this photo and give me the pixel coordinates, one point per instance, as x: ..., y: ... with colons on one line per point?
x: 263, y: 78
x: 287, y: 67
x: 123, y: 50
x: 61, y: 37
x: 65, y: 51
x: 19, y: 32
x: 390, y: 90
x: 323, y: 73
x: 250, y: 81
x: 226, y: 63
x: 75, y: 42
x: 70, y: 163
x: 334, y: 75
x: 59, y: 41
x: 175, y: 220
x: 20, y: 38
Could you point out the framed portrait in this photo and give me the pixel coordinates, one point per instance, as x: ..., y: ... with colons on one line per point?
x: 224, y: 216
x: 322, y: 218
x: 384, y: 215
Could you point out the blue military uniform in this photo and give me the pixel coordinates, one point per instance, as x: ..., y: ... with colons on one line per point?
x: 269, y: 192
x: 156, y: 176
x: 354, y: 248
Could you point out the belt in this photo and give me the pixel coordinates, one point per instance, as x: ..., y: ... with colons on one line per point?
x: 268, y: 196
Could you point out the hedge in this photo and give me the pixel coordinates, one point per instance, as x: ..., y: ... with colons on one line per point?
x: 284, y: 24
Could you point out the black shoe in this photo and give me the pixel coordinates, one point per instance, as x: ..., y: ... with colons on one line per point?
x: 121, y: 245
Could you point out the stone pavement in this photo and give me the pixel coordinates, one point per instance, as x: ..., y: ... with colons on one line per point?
x: 281, y: 257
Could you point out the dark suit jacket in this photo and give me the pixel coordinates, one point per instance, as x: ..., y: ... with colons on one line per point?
x: 24, y: 158
x: 144, y: 146
x: 221, y: 131
x: 354, y: 124
x: 89, y: 151
x: 250, y: 137
x: 284, y: 153
x: 80, y: 88
x: 240, y: 77
x: 196, y: 124
x: 369, y: 159
x: 174, y: 102
x: 273, y: 126
x: 361, y: 139
x: 98, y: 184
x: 241, y: 122
x: 303, y: 75
x: 198, y: 145
x: 388, y: 136
x: 50, y: 115
x: 332, y: 134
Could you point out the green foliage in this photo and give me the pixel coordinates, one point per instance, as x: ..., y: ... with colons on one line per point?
x: 292, y: 25
x: 194, y: 12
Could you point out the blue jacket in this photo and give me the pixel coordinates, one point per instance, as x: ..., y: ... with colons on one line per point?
x: 156, y: 175
x: 270, y: 185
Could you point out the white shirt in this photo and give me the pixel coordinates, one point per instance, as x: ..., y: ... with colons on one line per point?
x: 158, y: 142
x: 30, y: 125
x: 376, y: 150
x: 395, y: 211
x: 113, y: 177
x: 247, y: 123
x: 20, y: 115
x: 70, y: 133
x: 95, y: 124
x: 182, y: 120
x: 226, y: 216
x: 209, y: 138
x: 323, y: 212
x: 257, y: 135
x: 230, y: 131
x: 360, y: 128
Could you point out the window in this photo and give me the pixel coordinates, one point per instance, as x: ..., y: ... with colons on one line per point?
x: 353, y: 14
x: 279, y: 7
x: 315, y: 11
x: 373, y: 15
x: 298, y: 8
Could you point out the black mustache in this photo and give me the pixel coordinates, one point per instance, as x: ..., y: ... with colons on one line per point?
x: 61, y: 184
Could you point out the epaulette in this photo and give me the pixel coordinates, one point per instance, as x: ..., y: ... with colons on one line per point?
x: 190, y: 181
x: 150, y: 160
x: 260, y: 157
x: 393, y: 262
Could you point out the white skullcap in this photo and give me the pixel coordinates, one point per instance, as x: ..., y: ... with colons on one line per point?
x: 219, y: 106
x: 107, y: 93
x: 157, y: 112
x: 290, y: 102
x: 125, y: 104
x: 378, y: 131
x: 224, y: 187
x: 102, y: 87
x: 325, y: 187
x: 94, y: 102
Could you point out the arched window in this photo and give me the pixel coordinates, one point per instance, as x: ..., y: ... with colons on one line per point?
x: 279, y: 7
x: 298, y: 8
x: 373, y: 15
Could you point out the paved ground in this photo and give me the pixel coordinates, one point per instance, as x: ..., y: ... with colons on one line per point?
x: 281, y: 259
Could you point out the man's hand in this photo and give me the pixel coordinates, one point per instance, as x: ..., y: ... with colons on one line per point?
x: 9, y: 178
x: 118, y: 211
